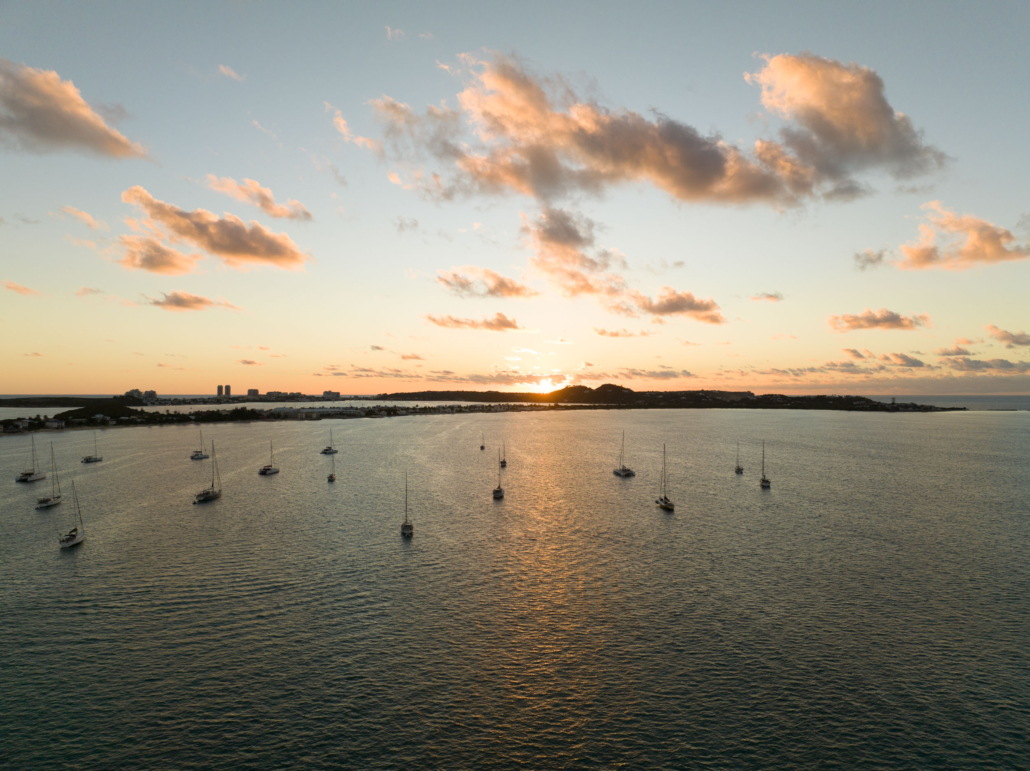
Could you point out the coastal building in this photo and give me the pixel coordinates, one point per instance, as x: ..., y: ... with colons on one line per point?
x: 252, y: 392
x: 54, y: 423
x: 228, y: 390
x: 219, y: 390
x: 330, y: 394
x: 149, y: 395
x: 134, y: 393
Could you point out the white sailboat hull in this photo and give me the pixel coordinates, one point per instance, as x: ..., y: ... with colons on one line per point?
x: 46, y: 503
x: 69, y: 541
x: 31, y: 476
x: 92, y: 459
x: 208, y: 495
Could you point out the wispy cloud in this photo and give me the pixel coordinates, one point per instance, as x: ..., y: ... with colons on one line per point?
x: 230, y: 73
x: 184, y: 301
x: 1011, y: 339
x: 40, y: 113
x: 251, y: 363
x: 10, y: 286
x: 771, y: 296
x: 881, y: 319
x: 403, y: 223
x: 499, y: 323
x: 85, y: 291
x: 253, y: 193
x: 620, y: 333
x: 395, y: 34
x: 85, y: 218
x: 871, y: 259
x: 411, y: 357
x: 471, y: 281
x: 148, y: 253
x: 964, y: 364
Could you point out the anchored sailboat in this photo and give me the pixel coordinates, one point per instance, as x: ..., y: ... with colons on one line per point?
x: 739, y: 469
x: 215, y: 490
x: 504, y: 456
x: 76, y: 535
x: 200, y: 454
x: 332, y: 476
x: 765, y: 483
x: 498, y: 491
x: 95, y: 458
x: 55, y: 485
x: 407, y: 529
x: 663, y: 496
x: 270, y: 467
x: 33, y: 474
x: 623, y: 470
x: 329, y: 449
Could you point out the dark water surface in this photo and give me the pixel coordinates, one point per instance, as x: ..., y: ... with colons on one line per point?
x: 871, y: 611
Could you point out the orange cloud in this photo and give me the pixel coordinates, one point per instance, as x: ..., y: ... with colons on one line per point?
x: 902, y: 360
x: 88, y: 290
x: 842, y: 122
x: 562, y: 241
x: 251, y: 363
x: 10, y: 286
x: 499, y: 323
x: 85, y: 218
x: 411, y: 357
x: 620, y: 333
x: 341, y: 126
x: 148, y: 253
x: 482, y: 282
x: 237, y: 243
x: 670, y: 302
x: 251, y: 192
x: 535, y: 136
x: 1011, y: 339
x: 43, y: 114
x: 971, y: 241
x: 881, y: 319
x: 964, y: 364
x: 184, y: 301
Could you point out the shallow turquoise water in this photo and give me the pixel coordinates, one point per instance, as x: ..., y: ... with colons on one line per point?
x: 871, y: 611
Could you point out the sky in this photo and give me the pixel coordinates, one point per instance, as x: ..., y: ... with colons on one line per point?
x: 373, y: 198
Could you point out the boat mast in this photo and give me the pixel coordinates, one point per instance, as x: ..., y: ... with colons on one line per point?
x: 622, y: 455
x: 405, y: 497
x: 663, y: 470
x: 53, y: 470
x: 214, y: 463
x: 78, y: 510
x: 763, y: 459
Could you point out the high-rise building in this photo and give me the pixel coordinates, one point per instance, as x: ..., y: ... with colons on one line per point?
x: 219, y: 390
x: 252, y: 392
x: 228, y: 390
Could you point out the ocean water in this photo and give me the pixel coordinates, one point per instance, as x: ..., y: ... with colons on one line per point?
x: 872, y: 610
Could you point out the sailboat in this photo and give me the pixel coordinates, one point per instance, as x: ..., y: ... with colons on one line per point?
x: 55, y: 486
x: 214, y: 492
x: 504, y: 456
x: 270, y: 468
x: 498, y: 491
x: 32, y: 475
x: 76, y: 535
x: 329, y: 450
x: 407, y: 529
x: 739, y: 469
x: 200, y: 454
x: 623, y: 470
x: 663, y: 497
x: 482, y: 441
x: 94, y: 458
x: 765, y: 483
x: 332, y: 476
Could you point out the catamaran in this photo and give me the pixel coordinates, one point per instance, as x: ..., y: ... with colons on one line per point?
x: 623, y: 470
x: 407, y: 529
x: 663, y: 497
x: 765, y: 483
x: 200, y: 454
x: 270, y: 468
x: 330, y: 449
x: 214, y: 492
x: 94, y: 458
x: 76, y: 535
x: 504, y: 456
x: 332, y: 476
x: 55, y: 486
x: 32, y: 475
x: 498, y: 491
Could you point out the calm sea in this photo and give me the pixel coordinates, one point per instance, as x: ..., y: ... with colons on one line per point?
x: 871, y: 611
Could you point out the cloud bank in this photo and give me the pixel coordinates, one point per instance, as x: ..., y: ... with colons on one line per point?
x: 184, y: 301
x: 253, y: 193
x: 499, y: 323
x: 881, y: 319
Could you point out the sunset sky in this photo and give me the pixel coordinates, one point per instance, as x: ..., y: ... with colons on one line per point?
x: 396, y: 197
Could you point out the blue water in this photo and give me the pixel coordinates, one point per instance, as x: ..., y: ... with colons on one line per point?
x: 871, y: 611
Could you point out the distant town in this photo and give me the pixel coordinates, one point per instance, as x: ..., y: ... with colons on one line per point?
x: 125, y: 410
